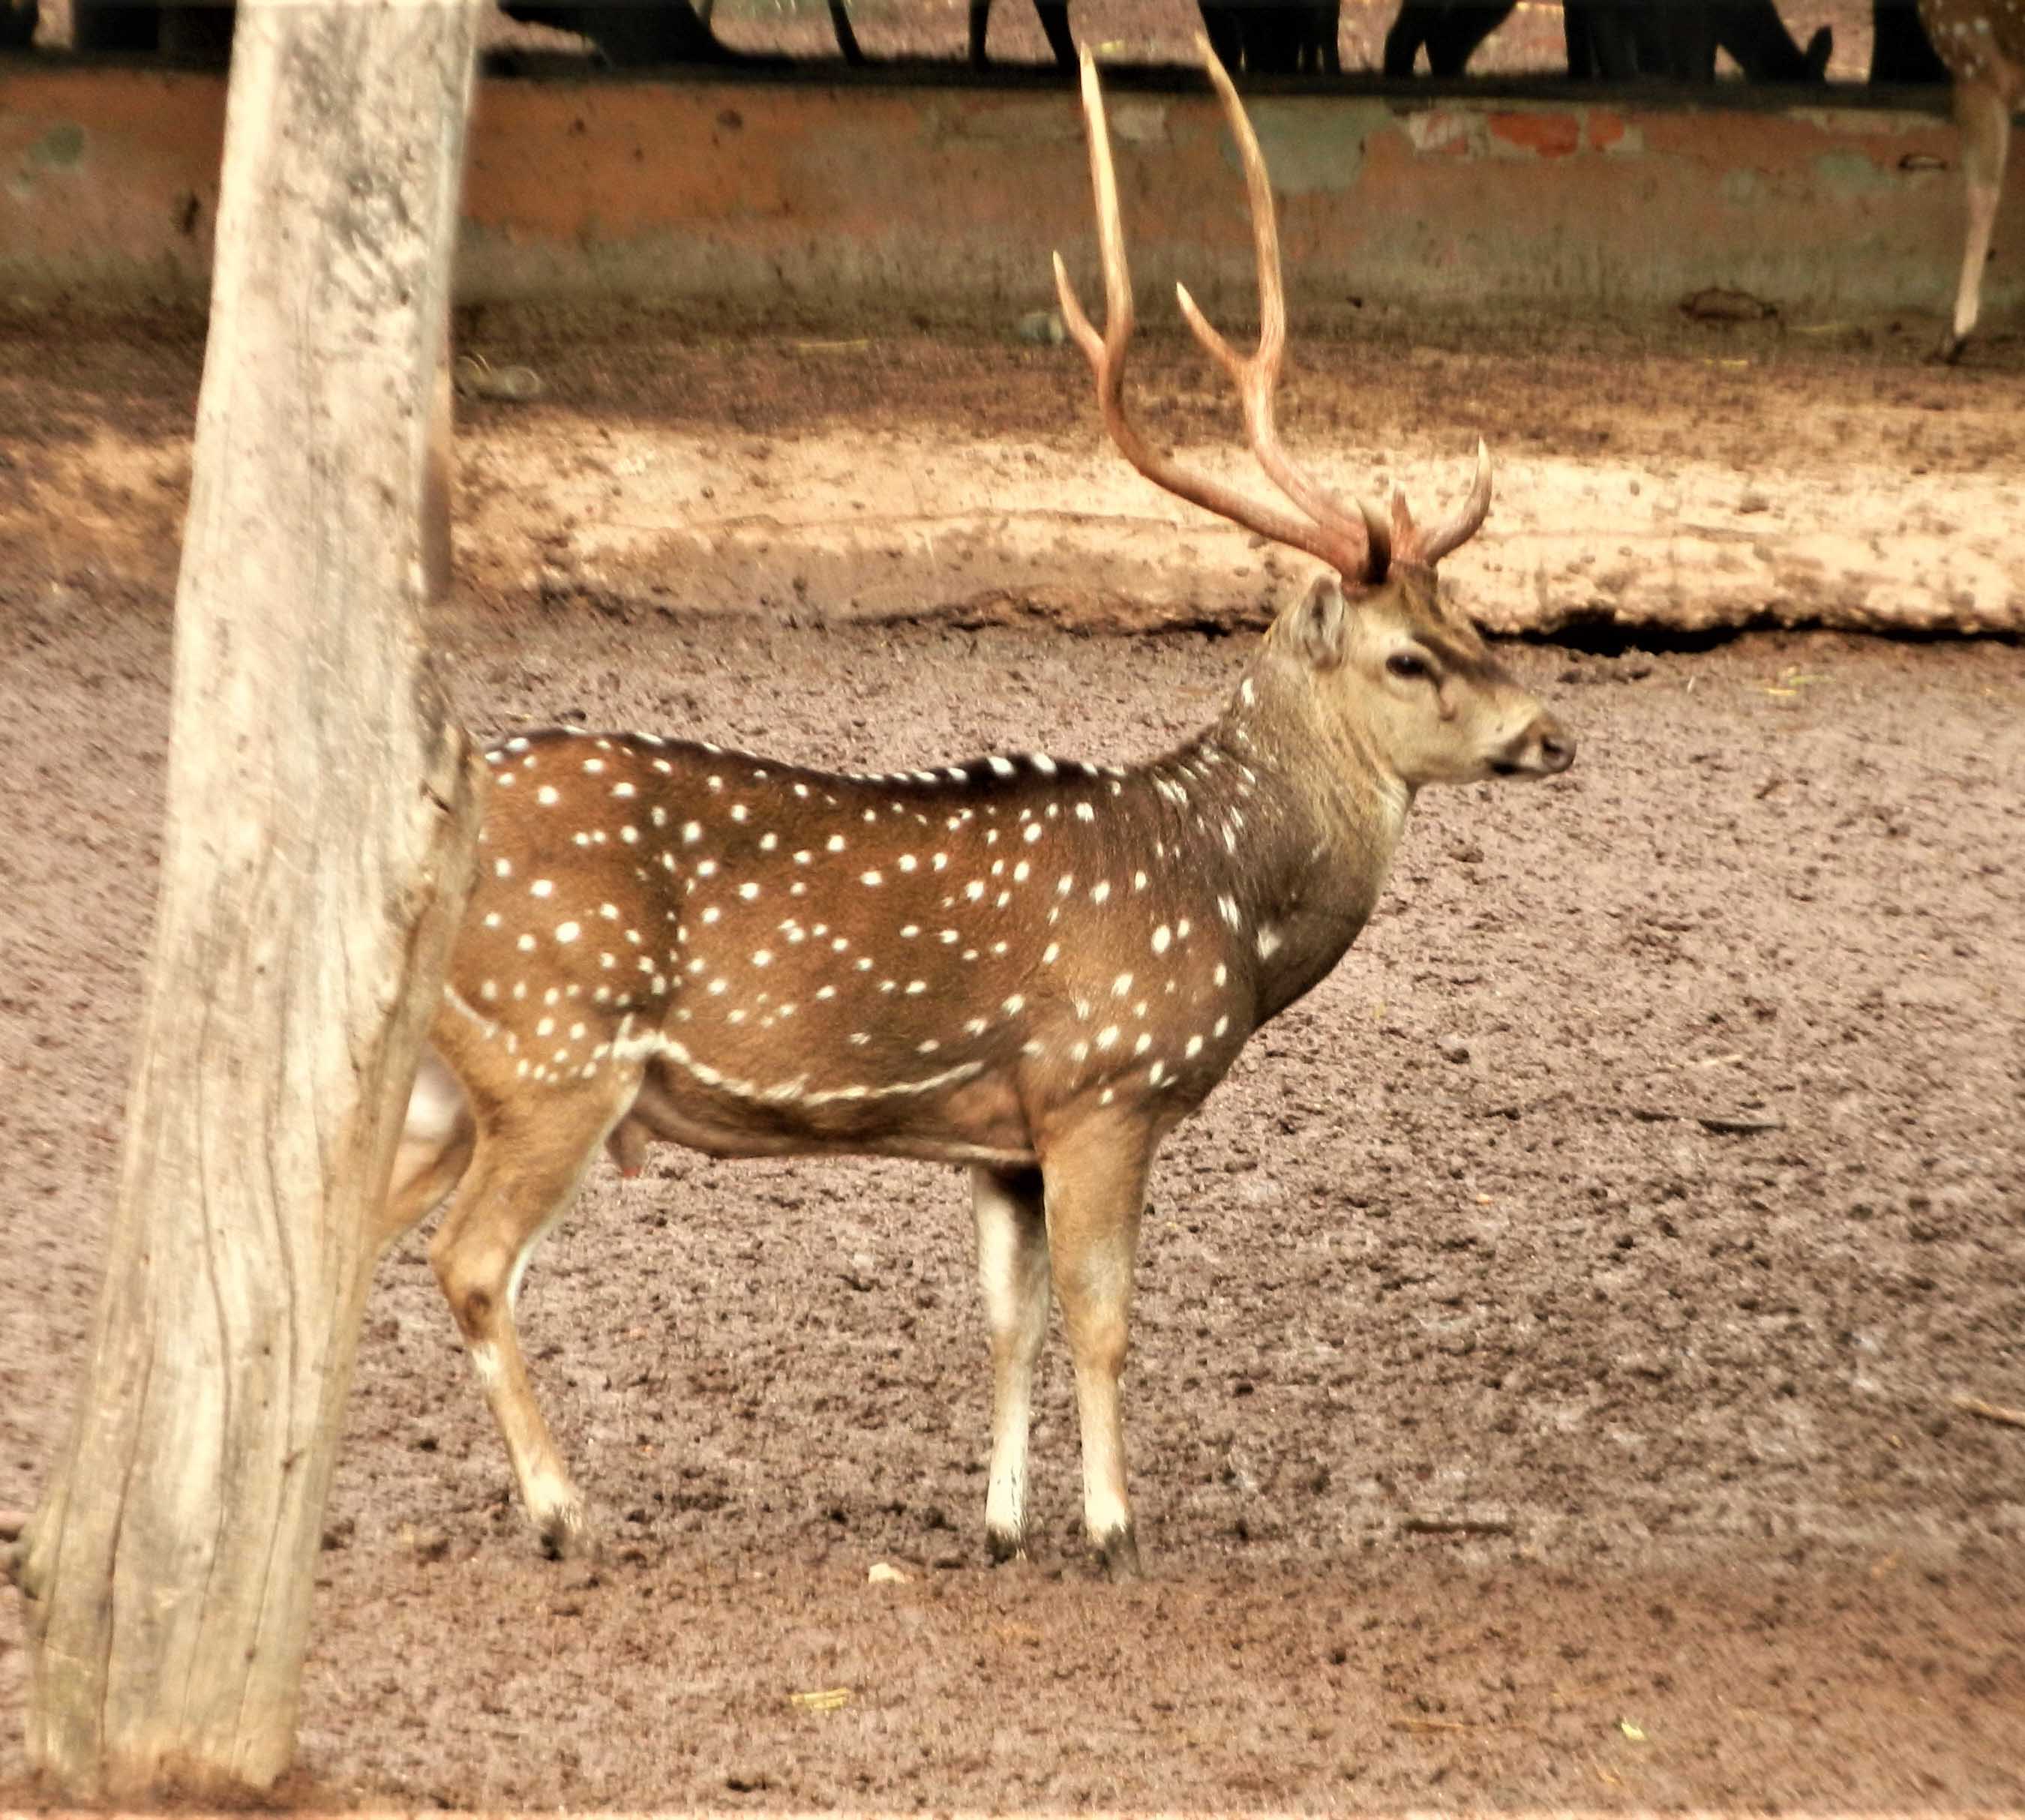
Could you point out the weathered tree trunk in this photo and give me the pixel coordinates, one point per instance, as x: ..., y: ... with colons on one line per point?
x: 439, y: 465
x: 321, y: 810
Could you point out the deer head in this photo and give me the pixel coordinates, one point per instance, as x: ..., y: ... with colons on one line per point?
x: 1372, y: 658
x: 1410, y: 690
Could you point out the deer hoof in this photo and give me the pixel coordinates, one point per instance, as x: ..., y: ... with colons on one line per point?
x: 570, y: 1545
x: 1119, y: 1552
x: 1950, y: 349
x: 1004, y: 1545
x: 565, y: 1535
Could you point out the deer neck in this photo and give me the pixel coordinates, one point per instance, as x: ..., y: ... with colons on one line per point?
x: 1318, y: 817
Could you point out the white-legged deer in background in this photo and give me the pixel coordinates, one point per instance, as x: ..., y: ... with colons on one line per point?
x: 1034, y: 966
x: 1983, y: 43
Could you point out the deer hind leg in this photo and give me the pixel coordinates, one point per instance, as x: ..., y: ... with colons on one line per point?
x: 1096, y: 1183
x: 1984, y: 115
x: 527, y: 1161
x: 434, y: 1150
x: 1013, y: 1267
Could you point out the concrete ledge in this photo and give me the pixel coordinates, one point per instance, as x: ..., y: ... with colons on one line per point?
x: 828, y: 198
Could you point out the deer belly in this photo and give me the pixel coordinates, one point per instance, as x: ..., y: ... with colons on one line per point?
x: 958, y: 1114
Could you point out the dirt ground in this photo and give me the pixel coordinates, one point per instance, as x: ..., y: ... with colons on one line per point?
x: 1547, y: 1359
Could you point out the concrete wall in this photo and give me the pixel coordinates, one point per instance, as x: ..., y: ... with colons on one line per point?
x: 834, y: 196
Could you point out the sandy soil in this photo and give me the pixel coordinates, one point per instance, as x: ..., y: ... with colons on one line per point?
x: 1545, y: 1360
x: 1668, y: 472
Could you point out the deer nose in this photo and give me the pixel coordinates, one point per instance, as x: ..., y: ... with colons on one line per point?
x: 1544, y: 748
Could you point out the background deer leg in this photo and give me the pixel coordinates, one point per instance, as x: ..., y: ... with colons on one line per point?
x: 1983, y: 113
x: 1606, y: 41
x: 1095, y: 1181
x: 1054, y: 18
x: 1684, y: 40
x: 1013, y: 1268
x: 846, y: 39
x: 1455, y: 31
x: 523, y: 1174
x: 1900, y: 49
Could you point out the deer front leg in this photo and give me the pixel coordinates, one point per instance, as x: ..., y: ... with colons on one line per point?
x: 1096, y: 1187
x: 523, y: 1173
x: 1012, y: 1269
x: 1984, y: 115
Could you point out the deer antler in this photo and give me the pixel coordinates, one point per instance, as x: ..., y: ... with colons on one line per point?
x: 1357, y: 550
x: 1360, y: 548
x: 1427, y: 548
x: 1257, y: 378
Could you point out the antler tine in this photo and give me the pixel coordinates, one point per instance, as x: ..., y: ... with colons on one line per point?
x: 1106, y: 355
x: 1257, y: 378
x: 1437, y: 544
x: 1378, y: 533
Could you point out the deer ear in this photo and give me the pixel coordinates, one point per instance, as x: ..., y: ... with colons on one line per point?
x: 1321, y: 624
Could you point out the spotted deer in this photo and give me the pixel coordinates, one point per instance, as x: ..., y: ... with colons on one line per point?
x: 1032, y: 966
x: 1983, y: 43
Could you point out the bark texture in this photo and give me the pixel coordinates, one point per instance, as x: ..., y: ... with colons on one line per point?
x: 321, y: 811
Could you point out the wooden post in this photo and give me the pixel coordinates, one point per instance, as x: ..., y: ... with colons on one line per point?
x: 321, y: 809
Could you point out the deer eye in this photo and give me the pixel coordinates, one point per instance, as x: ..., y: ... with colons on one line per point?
x: 1408, y: 663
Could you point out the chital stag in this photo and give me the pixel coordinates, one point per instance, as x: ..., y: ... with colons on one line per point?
x: 1983, y: 43
x: 1034, y: 966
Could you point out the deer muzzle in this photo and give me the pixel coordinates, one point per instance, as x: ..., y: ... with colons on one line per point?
x: 1543, y: 749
